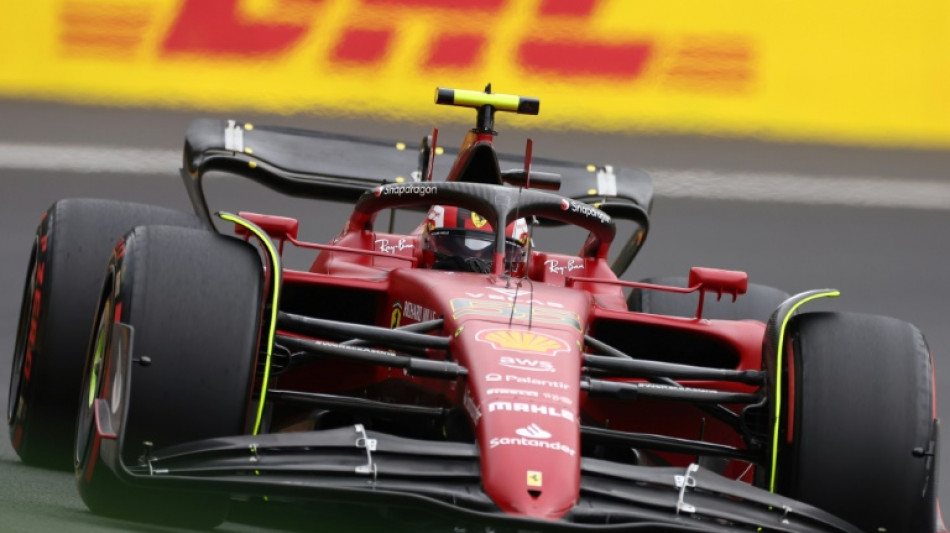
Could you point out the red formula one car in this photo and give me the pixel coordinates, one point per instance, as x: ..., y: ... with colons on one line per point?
x: 452, y: 376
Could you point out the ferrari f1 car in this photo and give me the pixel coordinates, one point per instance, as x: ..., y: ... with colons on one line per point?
x: 454, y: 375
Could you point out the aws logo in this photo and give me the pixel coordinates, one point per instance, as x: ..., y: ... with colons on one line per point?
x: 531, y: 365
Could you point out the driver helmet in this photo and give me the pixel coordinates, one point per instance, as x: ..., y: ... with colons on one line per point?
x: 463, y: 240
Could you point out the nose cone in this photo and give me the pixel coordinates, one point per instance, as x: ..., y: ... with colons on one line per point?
x: 523, y: 394
x: 530, y: 461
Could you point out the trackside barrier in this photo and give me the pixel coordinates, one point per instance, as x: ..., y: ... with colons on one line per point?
x: 849, y: 71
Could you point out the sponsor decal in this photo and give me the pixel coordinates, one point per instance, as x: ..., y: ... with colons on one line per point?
x: 495, y: 442
x: 531, y: 365
x: 511, y: 295
x: 523, y: 407
x: 555, y: 267
x: 522, y: 341
x: 418, y: 313
x: 557, y: 398
x: 396, y: 317
x: 511, y: 392
x: 533, y: 431
x: 470, y: 407
x: 400, y: 190
x: 360, y: 348
x: 37, y: 297
x: 534, y: 478
x: 522, y: 380
x: 588, y: 211
x: 466, y: 307
x: 384, y: 246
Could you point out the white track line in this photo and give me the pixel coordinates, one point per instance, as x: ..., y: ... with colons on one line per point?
x: 88, y: 159
x: 763, y: 187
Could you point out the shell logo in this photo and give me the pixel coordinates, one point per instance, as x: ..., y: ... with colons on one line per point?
x: 522, y: 341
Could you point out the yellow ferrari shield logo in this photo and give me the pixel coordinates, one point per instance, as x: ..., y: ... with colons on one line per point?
x: 478, y: 220
x: 534, y: 478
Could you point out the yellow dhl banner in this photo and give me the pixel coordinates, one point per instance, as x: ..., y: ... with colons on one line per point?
x: 849, y: 71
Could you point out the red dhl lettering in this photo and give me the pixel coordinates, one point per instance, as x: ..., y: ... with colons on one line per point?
x: 215, y: 27
x: 570, y: 45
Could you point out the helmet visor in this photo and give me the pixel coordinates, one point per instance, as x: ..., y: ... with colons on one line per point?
x: 468, y: 243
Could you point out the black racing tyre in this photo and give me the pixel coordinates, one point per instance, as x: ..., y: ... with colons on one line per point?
x: 757, y: 303
x: 69, y: 255
x: 193, y: 299
x: 864, y: 432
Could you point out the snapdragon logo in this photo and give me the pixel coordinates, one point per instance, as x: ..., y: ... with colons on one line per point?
x: 588, y: 211
x: 399, y: 190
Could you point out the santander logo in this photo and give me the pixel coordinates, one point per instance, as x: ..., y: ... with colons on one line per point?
x: 533, y: 432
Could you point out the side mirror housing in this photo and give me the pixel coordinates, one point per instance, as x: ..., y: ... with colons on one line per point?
x: 280, y: 228
x: 719, y: 281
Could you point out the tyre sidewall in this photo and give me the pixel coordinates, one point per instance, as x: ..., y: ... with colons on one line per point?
x: 863, y: 402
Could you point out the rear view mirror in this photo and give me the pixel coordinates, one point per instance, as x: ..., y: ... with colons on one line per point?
x: 280, y: 228
x: 719, y: 281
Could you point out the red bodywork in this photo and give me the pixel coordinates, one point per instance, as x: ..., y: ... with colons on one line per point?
x: 522, y: 342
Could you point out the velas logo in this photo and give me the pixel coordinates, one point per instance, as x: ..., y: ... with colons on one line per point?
x: 522, y: 341
x: 533, y: 431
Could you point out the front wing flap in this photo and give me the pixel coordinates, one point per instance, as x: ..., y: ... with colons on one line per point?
x: 438, y: 478
x: 441, y: 479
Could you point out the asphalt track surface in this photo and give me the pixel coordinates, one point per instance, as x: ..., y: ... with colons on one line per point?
x: 885, y: 260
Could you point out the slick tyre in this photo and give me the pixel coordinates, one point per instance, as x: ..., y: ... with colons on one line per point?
x: 69, y: 255
x: 193, y: 301
x: 864, y: 433
x: 757, y: 303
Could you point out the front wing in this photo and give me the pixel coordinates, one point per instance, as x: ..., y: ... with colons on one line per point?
x: 440, y: 479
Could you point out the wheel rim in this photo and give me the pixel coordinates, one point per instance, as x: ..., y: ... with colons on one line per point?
x: 22, y: 340
x: 92, y: 381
